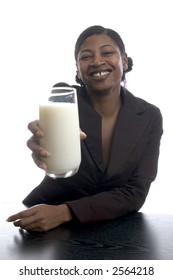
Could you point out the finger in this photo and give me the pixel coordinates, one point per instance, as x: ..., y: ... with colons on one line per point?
x: 35, y: 129
x: 33, y: 145
x: 39, y: 162
x: 82, y: 135
x: 20, y: 215
x: 32, y: 223
x: 35, y: 227
x: 27, y: 223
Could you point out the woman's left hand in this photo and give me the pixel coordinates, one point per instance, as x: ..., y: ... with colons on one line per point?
x: 41, y: 217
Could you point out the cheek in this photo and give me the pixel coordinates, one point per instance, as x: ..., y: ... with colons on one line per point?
x: 81, y: 71
x: 120, y: 67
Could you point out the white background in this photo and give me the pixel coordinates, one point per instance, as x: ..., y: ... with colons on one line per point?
x: 37, y: 40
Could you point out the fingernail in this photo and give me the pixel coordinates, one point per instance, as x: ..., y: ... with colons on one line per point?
x: 44, y: 153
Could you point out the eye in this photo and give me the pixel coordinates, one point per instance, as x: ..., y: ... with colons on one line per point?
x: 108, y: 53
x: 85, y: 57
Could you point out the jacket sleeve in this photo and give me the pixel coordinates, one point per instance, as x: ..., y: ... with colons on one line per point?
x: 129, y: 197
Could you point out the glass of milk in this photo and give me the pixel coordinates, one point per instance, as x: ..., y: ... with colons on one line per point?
x: 58, y: 118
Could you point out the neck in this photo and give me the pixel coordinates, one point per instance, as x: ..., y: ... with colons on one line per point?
x: 106, y: 103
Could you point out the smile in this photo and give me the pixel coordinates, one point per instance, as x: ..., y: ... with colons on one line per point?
x: 100, y: 74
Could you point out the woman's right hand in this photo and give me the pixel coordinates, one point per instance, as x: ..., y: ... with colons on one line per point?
x: 39, y: 152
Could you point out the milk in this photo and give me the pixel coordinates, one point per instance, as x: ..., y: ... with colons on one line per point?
x: 60, y: 124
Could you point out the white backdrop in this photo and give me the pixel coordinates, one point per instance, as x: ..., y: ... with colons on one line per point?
x: 36, y: 51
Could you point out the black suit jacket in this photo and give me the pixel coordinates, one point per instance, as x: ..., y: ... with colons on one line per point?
x: 94, y: 193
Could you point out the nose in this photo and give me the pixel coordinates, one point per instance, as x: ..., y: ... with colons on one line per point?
x: 97, y: 61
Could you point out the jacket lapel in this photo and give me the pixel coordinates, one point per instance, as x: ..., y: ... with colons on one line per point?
x: 91, y: 123
x: 128, y: 131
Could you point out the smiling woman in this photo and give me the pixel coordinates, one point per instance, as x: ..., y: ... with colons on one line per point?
x: 101, y: 66
x: 107, y: 45
x: 121, y: 150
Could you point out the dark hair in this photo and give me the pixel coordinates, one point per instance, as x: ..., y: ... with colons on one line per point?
x: 97, y: 29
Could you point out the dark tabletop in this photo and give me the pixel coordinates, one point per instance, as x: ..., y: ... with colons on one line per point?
x: 138, y: 236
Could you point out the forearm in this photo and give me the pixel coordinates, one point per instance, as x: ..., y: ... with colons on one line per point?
x: 111, y: 204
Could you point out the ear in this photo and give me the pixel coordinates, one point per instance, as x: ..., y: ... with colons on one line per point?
x: 77, y: 71
x: 77, y: 74
x: 125, y: 62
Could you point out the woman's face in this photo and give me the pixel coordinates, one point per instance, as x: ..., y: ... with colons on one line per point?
x: 100, y: 63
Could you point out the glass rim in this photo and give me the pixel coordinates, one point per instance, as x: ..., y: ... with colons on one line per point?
x: 63, y: 90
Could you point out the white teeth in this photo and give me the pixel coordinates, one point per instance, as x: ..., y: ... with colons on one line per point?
x: 99, y: 74
x: 104, y: 73
x: 96, y: 75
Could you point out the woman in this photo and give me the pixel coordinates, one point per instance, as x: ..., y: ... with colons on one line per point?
x: 121, y: 150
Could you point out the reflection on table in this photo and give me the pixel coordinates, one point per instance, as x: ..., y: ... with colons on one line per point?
x: 138, y: 236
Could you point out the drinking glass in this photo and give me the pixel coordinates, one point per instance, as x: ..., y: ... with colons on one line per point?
x: 59, y: 120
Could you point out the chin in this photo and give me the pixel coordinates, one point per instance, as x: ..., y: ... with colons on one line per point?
x: 102, y: 88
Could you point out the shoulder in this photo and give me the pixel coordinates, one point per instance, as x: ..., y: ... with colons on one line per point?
x: 147, y: 112
x: 138, y: 105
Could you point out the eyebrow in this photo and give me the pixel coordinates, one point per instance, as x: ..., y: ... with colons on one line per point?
x: 85, y: 50
x: 89, y: 50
